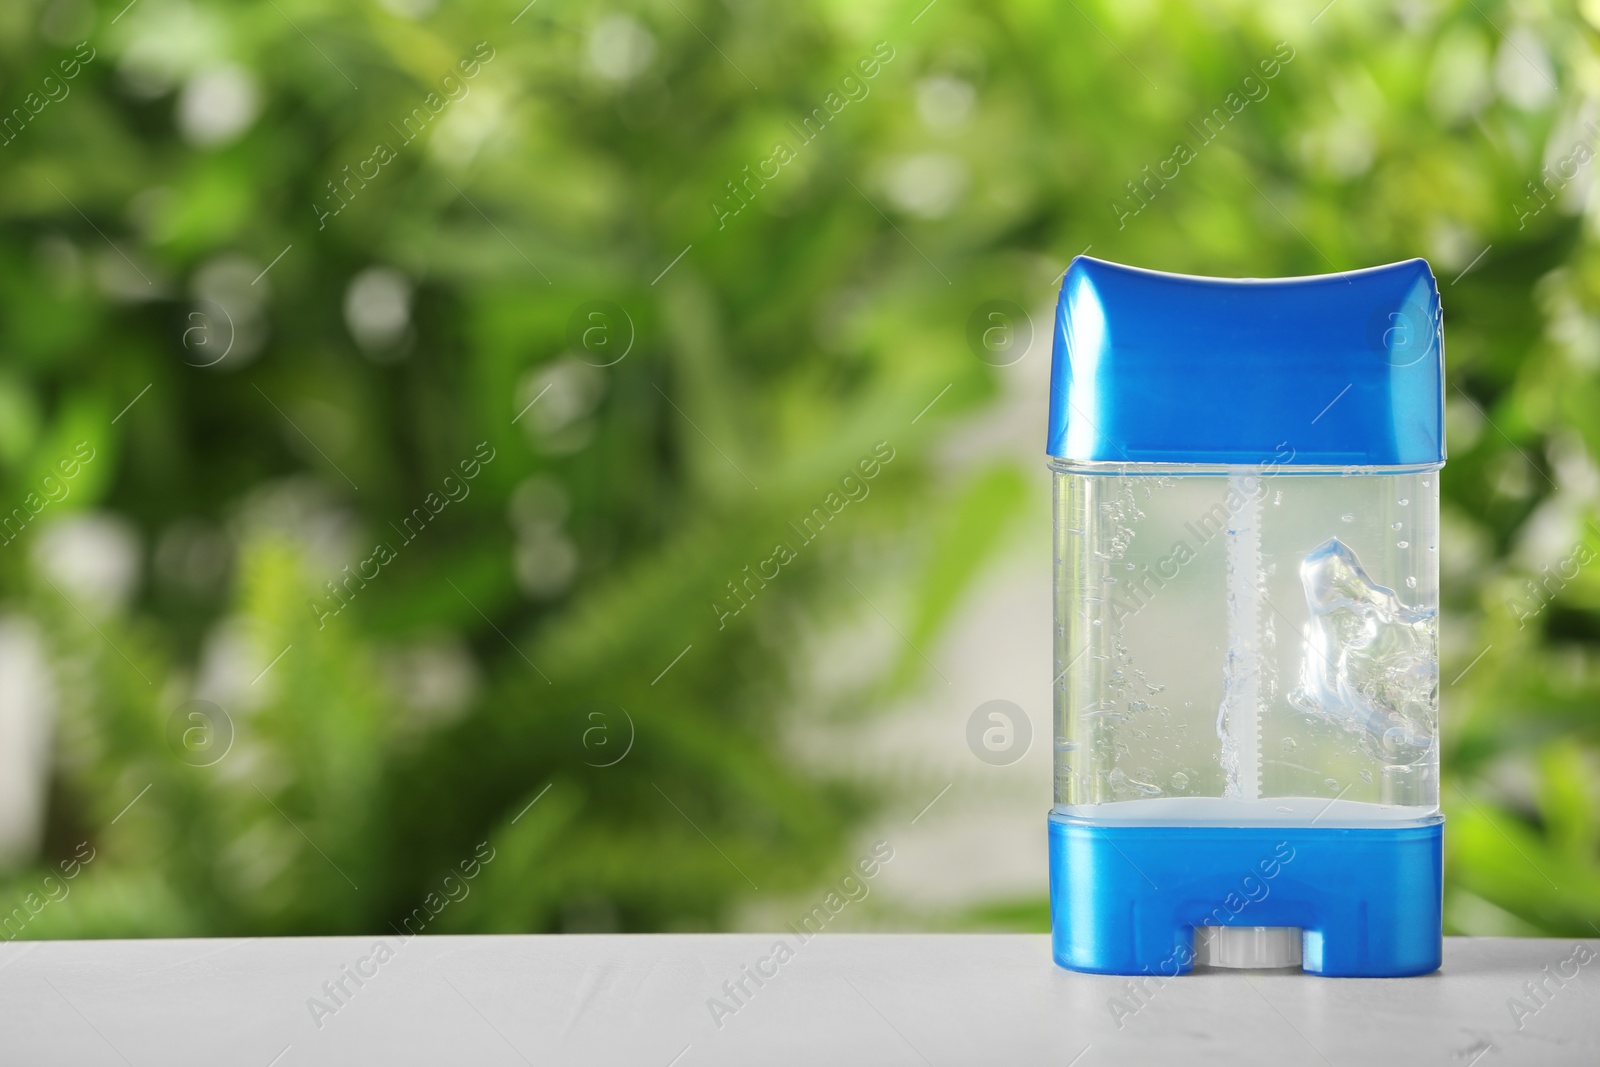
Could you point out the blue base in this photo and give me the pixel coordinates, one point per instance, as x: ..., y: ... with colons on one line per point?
x: 1126, y: 899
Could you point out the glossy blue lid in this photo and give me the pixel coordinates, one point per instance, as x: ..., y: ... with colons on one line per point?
x: 1333, y: 370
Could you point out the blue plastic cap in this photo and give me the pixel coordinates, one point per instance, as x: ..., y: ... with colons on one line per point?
x: 1333, y: 370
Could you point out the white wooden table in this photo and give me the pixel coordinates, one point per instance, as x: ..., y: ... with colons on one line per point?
x: 836, y: 999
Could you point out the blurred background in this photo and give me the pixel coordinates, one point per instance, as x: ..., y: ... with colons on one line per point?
x: 599, y: 447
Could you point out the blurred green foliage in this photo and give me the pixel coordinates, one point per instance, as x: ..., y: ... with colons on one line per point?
x: 186, y: 193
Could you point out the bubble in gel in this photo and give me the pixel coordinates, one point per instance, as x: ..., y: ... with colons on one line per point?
x: 1396, y: 525
x: 1347, y: 517
x: 1411, y: 583
x: 1287, y: 744
x: 1370, y: 664
x: 1404, y: 501
x: 1330, y: 783
x: 1124, y: 787
x: 1180, y: 781
x: 1402, y: 544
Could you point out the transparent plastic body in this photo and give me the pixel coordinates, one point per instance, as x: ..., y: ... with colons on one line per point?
x: 1244, y: 645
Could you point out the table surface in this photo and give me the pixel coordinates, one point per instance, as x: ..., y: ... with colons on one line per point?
x: 660, y: 1001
